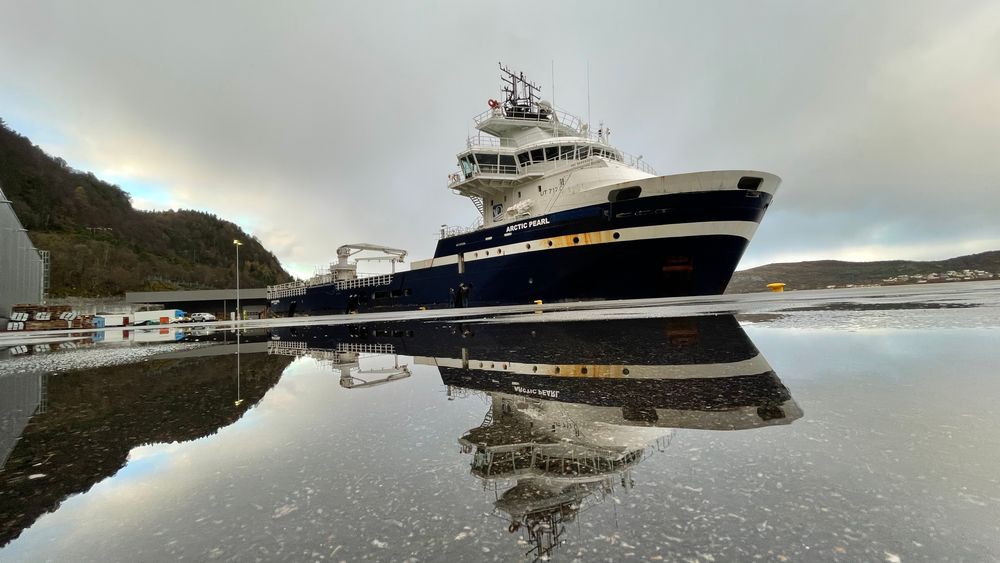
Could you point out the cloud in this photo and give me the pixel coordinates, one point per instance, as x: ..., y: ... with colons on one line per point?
x: 324, y: 123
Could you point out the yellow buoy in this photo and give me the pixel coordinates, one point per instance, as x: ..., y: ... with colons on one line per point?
x: 776, y: 287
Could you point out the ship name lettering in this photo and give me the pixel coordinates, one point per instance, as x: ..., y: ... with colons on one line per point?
x: 527, y: 224
x: 539, y: 392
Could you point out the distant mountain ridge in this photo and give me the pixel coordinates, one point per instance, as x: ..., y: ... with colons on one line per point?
x: 822, y: 273
x: 101, y: 246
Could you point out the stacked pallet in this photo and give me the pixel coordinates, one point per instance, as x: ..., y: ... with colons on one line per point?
x: 47, y: 317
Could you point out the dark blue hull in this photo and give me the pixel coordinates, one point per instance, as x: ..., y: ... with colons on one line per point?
x: 560, y: 261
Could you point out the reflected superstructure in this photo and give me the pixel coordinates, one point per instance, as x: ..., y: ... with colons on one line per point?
x: 546, y: 465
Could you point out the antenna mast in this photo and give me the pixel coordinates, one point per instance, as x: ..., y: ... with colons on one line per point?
x: 520, y: 92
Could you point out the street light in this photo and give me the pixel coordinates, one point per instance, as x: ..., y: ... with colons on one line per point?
x: 238, y: 400
x: 237, y: 244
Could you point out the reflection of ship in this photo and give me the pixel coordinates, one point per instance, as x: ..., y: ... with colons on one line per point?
x: 575, y: 406
x: 692, y: 372
x: 563, y: 215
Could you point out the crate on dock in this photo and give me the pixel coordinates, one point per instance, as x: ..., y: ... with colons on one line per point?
x: 54, y: 310
x: 28, y: 316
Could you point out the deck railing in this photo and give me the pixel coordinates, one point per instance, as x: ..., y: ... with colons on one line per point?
x: 448, y: 231
x: 287, y: 348
x: 290, y: 289
x: 383, y: 279
x: 295, y: 288
x: 554, y: 116
x: 366, y: 348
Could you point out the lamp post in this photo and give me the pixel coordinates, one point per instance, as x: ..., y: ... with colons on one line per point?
x: 237, y: 244
x: 238, y: 399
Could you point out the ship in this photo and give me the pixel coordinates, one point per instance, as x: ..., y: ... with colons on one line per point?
x: 563, y: 215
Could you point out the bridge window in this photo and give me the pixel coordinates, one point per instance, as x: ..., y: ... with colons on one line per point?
x: 524, y: 158
x: 566, y: 153
x: 537, y: 155
x: 507, y: 163
x: 551, y: 153
x: 624, y: 194
x: 486, y: 159
x: 467, y: 166
x: 749, y: 183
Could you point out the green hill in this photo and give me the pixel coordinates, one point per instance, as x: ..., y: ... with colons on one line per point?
x: 822, y: 273
x: 100, y: 245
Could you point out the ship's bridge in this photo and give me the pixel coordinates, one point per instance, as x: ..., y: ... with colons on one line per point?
x: 491, y: 164
x: 522, y: 139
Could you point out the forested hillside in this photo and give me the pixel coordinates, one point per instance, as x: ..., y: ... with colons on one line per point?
x: 101, y: 246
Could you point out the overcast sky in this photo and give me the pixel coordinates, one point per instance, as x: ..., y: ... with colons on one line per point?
x: 312, y: 124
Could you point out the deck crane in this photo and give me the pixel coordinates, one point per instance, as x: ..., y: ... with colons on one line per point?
x: 350, y: 379
x: 344, y: 270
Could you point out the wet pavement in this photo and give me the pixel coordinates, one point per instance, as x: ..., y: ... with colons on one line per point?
x: 835, y: 426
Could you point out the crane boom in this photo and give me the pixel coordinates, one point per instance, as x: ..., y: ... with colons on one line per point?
x: 348, y: 250
x: 343, y: 270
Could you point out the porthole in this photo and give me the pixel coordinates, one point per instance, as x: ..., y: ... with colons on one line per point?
x: 505, y: 366
x: 583, y: 371
x: 487, y: 252
x: 576, y: 240
x: 528, y: 246
x: 480, y: 364
x: 550, y: 243
x: 499, y: 251
x: 534, y: 368
x: 616, y: 236
x: 624, y: 371
x: 477, y: 255
x: 492, y: 366
x: 557, y: 369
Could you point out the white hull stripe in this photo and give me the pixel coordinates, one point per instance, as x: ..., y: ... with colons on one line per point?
x: 752, y: 366
x: 744, y: 229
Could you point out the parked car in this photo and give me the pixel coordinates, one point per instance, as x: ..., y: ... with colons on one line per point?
x: 202, y: 317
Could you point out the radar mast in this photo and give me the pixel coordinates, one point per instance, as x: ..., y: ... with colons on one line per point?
x: 521, y: 95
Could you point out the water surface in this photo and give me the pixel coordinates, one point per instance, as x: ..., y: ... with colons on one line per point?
x: 825, y: 433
